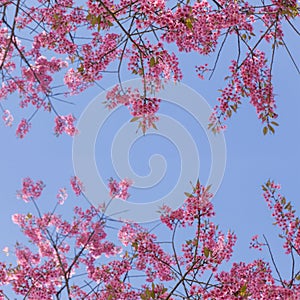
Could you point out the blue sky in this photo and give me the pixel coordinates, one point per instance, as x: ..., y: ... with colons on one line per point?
x: 251, y: 157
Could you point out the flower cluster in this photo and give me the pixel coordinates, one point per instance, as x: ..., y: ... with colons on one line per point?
x: 284, y: 215
x: 196, y: 205
x: 65, y: 124
x: 119, y: 189
x: 255, y: 243
x: 7, y: 118
x: 76, y: 185
x: 149, y: 255
x: 62, y: 196
x: 64, y: 255
x: 209, y: 246
x: 146, y: 33
x: 23, y: 128
x: 142, y: 109
x: 30, y: 190
x: 250, y: 79
x: 249, y: 281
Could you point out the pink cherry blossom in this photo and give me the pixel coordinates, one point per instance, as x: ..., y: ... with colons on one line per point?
x: 23, y: 128
x: 284, y: 215
x: 30, y: 190
x: 147, y: 44
x: 51, y: 50
x: 119, y: 190
x: 62, y: 196
x: 7, y: 118
x: 65, y: 124
x: 82, y: 246
x: 76, y: 185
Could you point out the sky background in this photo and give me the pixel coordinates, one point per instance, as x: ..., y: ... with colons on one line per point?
x: 252, y: 158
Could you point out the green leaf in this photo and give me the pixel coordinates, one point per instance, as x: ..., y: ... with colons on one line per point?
x: 93, y: 20
x: 89, y: 17
x: 134, y: 119
x: 243, y: 290
x: 152, y: 62
x: 233, y: 107
x: 188, y: 194
x: 271, y: 128
x: 274, y: 123
x: 189, y: 23
x: 80, y: 69
x: 206, y: 252
x: 208, y: 187
x: 288, y: 206
x: 154, y: 126
x: 265, y: 130
x: 135, y: 245
x: 29, y: 216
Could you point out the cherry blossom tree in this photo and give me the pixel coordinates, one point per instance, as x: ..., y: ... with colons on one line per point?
x: 83, y: 41
x: 42, y: 41
x: 77, y: 259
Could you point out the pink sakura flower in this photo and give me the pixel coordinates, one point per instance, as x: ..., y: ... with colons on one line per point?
x: 201, y: 70
x: 255, y: 244
x: 62, y: 196
x: 195, y: 204
x: 65, y: 124
x: 142, y: 109
x: 127, y: 234
x: 114, y: 97
x: 151, y: 258
x: 145, y: 110
x: 252, y: 80
x: 284, y: 215
x: 76, y: 185
x: 6, y: 251
x: 7, y: 118
x: 119, y: 190
x: 30, y: 190
x: 23, y: 128
x: 75, y: 82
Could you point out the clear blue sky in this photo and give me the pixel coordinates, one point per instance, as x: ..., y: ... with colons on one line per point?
x: 251, y: 157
